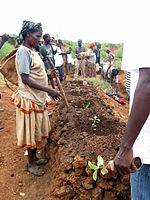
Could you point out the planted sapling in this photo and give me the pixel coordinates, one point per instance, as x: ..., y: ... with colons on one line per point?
x: 78, y: 89
x: 95, y: 120
x: 86, y: 105
x: 100, y: 165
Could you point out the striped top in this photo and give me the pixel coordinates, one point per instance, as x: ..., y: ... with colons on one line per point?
x: 128, y: 82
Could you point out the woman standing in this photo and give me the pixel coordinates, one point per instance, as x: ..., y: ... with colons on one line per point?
x: 32, y: 122
x: 91, y: 67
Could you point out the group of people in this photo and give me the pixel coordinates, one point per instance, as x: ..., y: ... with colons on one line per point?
x: 86, y: 62
x: 60, y: 57
x: 33, y: 96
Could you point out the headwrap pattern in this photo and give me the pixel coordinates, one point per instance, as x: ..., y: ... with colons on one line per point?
x: 30, y: 27
x: 91, y: 45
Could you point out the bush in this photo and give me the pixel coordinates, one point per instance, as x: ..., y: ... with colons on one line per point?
x: 6, y: 49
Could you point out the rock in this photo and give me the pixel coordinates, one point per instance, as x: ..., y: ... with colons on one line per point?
x: 88, y: 183
x: 20, y: 184
x: 109, y: 196
x: 97, y: 193
x: 102, y: 183
x: 22, y: 194
x: 12, y: 175
x: 79, y: 164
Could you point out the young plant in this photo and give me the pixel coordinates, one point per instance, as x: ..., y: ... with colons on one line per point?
x: 86, y: 105
x: 95, y: 120
x: 78, y: 89
x: 100, y: 165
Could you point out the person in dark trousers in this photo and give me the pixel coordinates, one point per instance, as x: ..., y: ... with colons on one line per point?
x: 97, y: 53
x: 50, y: 52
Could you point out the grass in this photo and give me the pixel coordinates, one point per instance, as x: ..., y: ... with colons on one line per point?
x: 104, y: 85
x: 6, y: 49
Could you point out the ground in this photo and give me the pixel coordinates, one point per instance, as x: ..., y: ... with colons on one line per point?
x: 73, y: 143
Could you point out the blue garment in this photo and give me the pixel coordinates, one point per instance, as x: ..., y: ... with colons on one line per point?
x: 97, y: 53
x: 60, y: 70
x: 140, y: 184
x: 47, y: 50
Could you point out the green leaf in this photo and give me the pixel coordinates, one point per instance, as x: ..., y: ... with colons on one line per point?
x: 91, y: 119
x: 94, y: 129
x: 104, y: 171
x: 95, y: 175
x: 100, y: 161
x: 87, y: 105
x: 92, y: 166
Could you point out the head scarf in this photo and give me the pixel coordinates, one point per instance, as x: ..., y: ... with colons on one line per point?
x: 91, y: 45
x: 30, y: 27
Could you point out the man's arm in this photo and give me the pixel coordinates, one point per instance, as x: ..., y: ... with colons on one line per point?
x: 53, y: 93
x: 139, y: 114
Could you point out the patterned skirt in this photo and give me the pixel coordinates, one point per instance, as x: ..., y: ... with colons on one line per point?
x: 32, y: 122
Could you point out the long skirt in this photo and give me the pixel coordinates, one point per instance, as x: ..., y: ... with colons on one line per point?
x: 32, y: 122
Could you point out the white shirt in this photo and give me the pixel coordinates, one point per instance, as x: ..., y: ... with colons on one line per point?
x: 141, y: 147
x: 70, y: 59
x: 58, y: 58
x: 91, y: 53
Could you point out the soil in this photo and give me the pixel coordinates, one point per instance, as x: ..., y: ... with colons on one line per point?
x: 73, y: 143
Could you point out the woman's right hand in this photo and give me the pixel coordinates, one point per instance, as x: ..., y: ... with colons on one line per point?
x: 54, y: 94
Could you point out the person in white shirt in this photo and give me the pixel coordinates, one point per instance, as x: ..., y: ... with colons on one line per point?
x: 136, y: 140
x: 59, y: 62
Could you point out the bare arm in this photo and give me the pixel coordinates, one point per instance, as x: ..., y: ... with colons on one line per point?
x: 139, y: 114
x: 53, y: 93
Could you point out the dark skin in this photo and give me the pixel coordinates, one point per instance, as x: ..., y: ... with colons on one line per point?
x: 47, y: 42
x: 139, y: 114
x: 4, y: 39
x: 31, y: 41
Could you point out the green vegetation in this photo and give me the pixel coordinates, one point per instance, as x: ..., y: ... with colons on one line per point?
x: 6, y: 49
x: 86, y: 105
x: 100, y: 165
x: 77, y: 87
x: 104, y: 85
x: 95, y: 120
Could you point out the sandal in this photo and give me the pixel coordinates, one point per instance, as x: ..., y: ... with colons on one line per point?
x: 41, y: 161
x: 34, y: 169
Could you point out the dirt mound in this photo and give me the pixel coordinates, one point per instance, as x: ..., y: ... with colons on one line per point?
x: 74, y: 142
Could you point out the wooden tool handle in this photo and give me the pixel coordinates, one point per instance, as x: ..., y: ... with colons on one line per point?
x: 58, y: 81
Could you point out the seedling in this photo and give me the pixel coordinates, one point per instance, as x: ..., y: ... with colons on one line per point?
x: 78, y: 89
x: 86, y: 105
x: 95, y: 120
x: 100, y: 165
